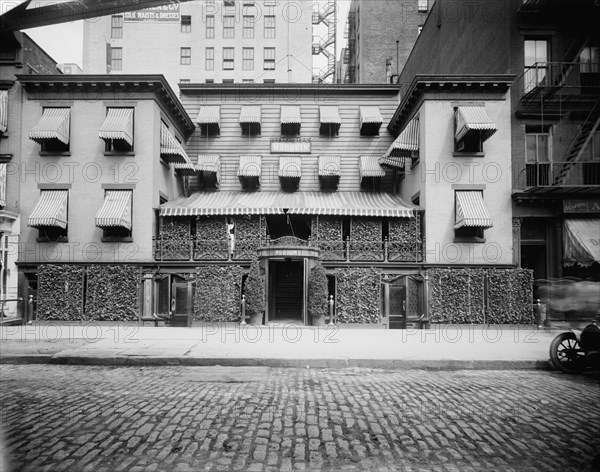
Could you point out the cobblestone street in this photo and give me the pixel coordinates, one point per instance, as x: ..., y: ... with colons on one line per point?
x: 78, y: 418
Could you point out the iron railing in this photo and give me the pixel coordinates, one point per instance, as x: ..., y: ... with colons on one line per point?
x: 555, y: 174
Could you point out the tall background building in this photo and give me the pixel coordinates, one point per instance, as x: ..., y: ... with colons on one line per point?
x: 241, y: 41
x: 381, y: 35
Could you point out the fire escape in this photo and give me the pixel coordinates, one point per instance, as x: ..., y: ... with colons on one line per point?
x: 327, y: 46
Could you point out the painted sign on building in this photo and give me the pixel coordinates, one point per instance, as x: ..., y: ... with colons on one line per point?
x: 170, y: 12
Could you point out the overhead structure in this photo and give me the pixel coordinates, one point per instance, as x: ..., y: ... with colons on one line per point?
x: 29, y: 14
x: 328, y: 17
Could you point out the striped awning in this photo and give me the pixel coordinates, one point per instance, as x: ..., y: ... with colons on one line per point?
x: 329, y: 166
x: 329, y: 114
x: 209, y: 163
x: 170, y: 148
x: 209, y: 115
x: 54, y: 124
x: 369, y: 114
x: 186, y: 168
x: 474, y: 119
x: 250, y: 166
x: 3, y: 111
x: 50, y: 210
x: 118, y: 124
x: 580, y: 242
x: 250, y: 114
x: 290, y: 167
x: 116, y: 210
x: 406, y: 142
x: 290, y: 114
x: 270, y: 203
x: 471, y: 211
x: 369, y: 167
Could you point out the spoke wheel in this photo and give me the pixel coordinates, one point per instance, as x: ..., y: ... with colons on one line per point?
x: 566, y: 354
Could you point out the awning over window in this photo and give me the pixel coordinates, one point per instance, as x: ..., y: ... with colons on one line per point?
x: 186, y: 168
x: 118, y: 124
x: 329, y: 166
x: 54, y: 124
x: 370, y: 118
x: 50, y: 210
x: 471, y: 210
x: 250, y: 114
x: 369, y: 167
x: 406, y: 143
x: 581, y: 242
x: 329, y: 115
x: 290, y: 167
x: 290, y: 115
x: 116, y: 210
x: 170, y: 148
x: 250, y: 166
x: 3, y: 111
x: 209, y: 163
x: 474, y: 119
x: 209, y: 115
x: 268, y: 203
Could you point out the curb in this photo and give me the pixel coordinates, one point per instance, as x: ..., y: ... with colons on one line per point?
x: 386, y: 364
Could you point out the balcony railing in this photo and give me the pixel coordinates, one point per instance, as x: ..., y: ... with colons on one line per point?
x: 556, y: 174
x: 388, y: 250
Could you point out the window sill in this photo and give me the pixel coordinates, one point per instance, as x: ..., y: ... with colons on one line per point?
x: 55, y: 154
x: 118, y: 154
x: 468, y: 154
x: 473, y: 240
x: 116, y: 239
x: 62, y: 239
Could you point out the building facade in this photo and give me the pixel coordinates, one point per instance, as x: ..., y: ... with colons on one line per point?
x: 552, y: 50
x: 205, y: 41
x: 381, y: 35
x: 19, y: 54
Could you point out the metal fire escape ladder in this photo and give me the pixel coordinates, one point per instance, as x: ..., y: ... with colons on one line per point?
x: 580, y: 142
x: 327, y: 47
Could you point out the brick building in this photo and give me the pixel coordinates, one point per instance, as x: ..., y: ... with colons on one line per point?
x: 205, y: 41
x: 381, y: 35
x: 19, y: 54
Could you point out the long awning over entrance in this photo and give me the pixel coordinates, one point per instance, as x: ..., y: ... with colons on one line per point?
x: 581, y: 242
x: 297, y: 203
x: 50, y: 210
x: 54, y: 124
x: 471, y: 211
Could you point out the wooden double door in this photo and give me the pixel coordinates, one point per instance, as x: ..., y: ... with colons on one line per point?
x: 403, y: 301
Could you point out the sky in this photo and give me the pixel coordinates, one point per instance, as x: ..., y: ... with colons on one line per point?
x: 64, y: 42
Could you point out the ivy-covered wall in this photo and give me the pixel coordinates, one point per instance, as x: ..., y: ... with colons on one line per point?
x: 405, y: 241
x: 249, y: 231
x: 327, y: 230
x: 365, y: 239
x: 358, y: 295
x: 113, y: 293
x: 217, y: 296
x: 212, y: 240
x: 60, y: 292
x: 480, y: 296
x: 174, y: 242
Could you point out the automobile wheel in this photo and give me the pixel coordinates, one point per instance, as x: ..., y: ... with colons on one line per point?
x: 566, y: 354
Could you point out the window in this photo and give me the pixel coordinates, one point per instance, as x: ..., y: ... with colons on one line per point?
x: 116, y: 26
x: 248, y: 59
x: 228, y: 58
x: 209, y: 59
x: 591, y: 161
x: 419, y: 29
x: 248, y: 31
x: 229, y: 3
x: 227, y: 81
x: 186, y: 24
x: 52, y: 132
x: 471, y: 216
x: 114, y: 216
x: 535, y: 62
x: 247, y: 81
x: 185, y: 57
x: 184, y: 81
x: 589, y: 60
x: 209, y: 81
x: 116, y: 59
x: 117, y: 130
x: 537, y: 155
x: 268, y: 81
x: 210, y: 26
x: 422, y: 6
x: 269, y: 59
x: 269, y: 26
x: 229, y: 27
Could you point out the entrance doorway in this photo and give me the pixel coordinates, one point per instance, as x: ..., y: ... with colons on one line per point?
x: 403, y: 302
x: 286, y: 293
x: 174, y: 296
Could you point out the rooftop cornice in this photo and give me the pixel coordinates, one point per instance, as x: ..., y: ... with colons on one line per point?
x: 129, y: 83
x: 280, y: 88
x: 422, y: 84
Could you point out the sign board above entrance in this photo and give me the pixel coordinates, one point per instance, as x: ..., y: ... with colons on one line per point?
x: 581, y: 206
x: 170, y: 12
x: 290, y: 146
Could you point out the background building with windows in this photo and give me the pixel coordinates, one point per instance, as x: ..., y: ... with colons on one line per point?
x: 381, y: 35
x: 249, y: 41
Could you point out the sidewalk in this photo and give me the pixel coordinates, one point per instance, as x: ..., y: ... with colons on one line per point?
x: 442, y: 347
